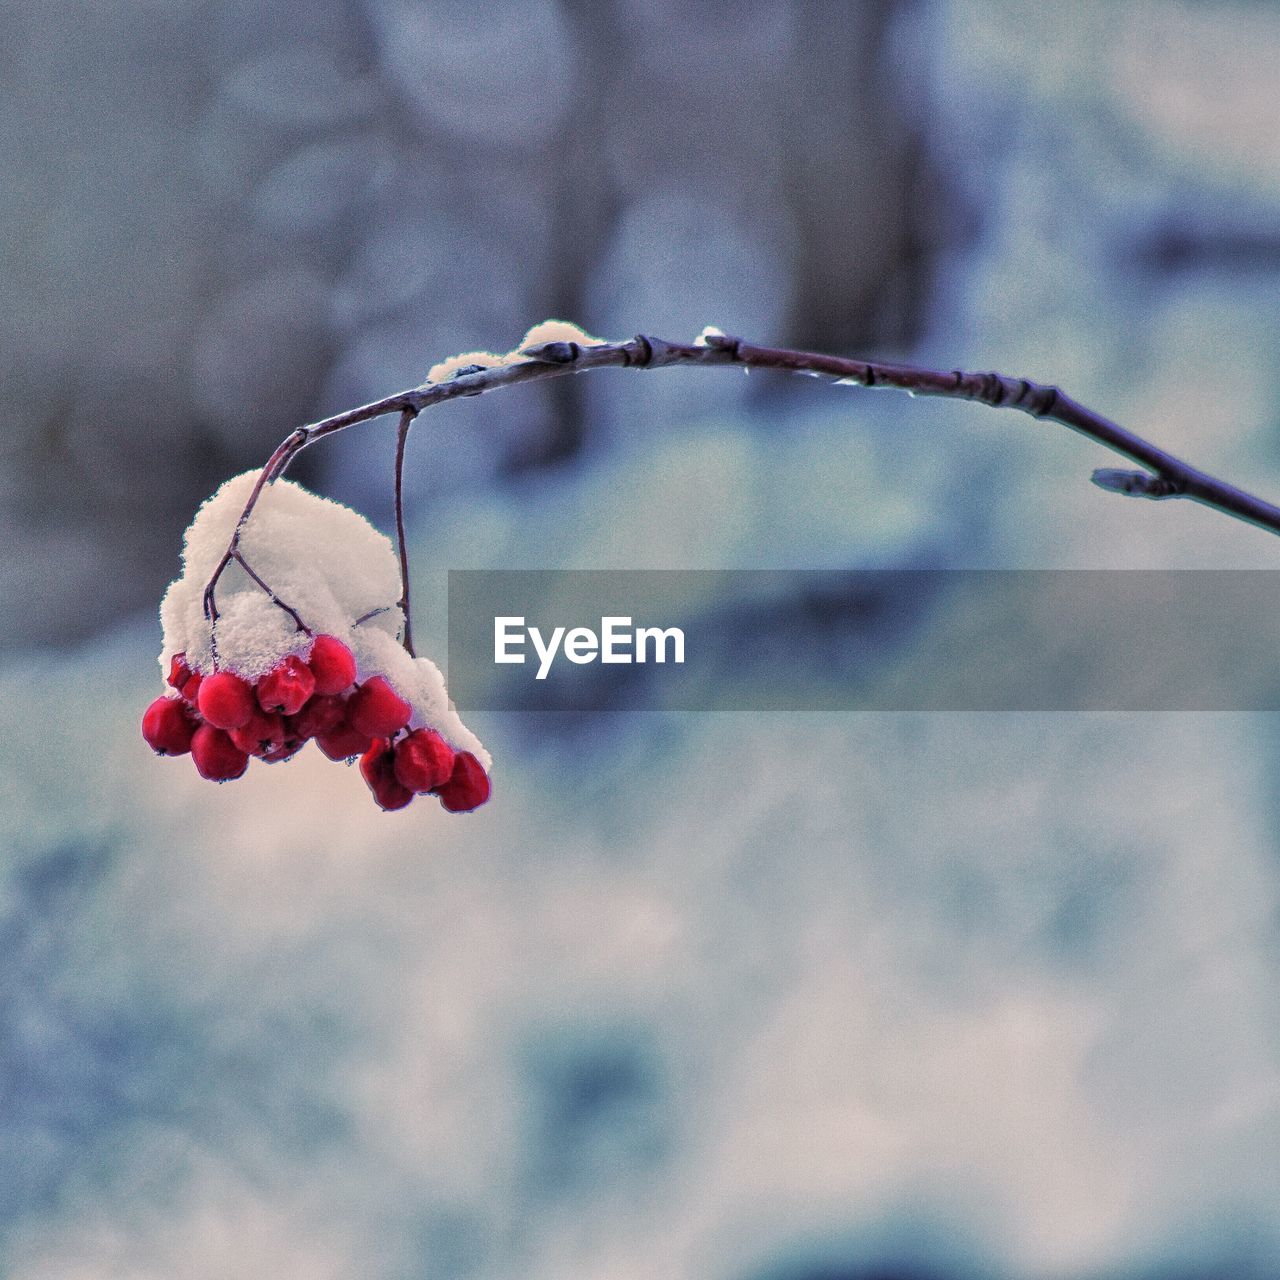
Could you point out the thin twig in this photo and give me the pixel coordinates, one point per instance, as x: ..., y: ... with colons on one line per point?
x: 1165, y: 476
x: 406, y: 420
x: 238, y: 557
x: 275, y: 466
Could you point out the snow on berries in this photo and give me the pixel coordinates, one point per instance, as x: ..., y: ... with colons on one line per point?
x: 305, y: 645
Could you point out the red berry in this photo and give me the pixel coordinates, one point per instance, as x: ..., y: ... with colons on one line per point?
x: 287, y: 688
x: 191, y: 689
x: 468, y: 785
x: 179, y: 672
x: 332, y: 665
x: 217, y: 758
x: 377, y: 766
x: 226, y: 701
x: 285, y: 751
x: 168, y: 725
x: 264, y: 733
x: 321, y: 716
x: 343, y: 743
x: 377, y: 709
x: 424, y: 760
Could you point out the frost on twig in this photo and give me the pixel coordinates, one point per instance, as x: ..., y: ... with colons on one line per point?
x: 546, y: 334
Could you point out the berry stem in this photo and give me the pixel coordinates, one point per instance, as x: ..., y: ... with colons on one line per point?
x: 238, y: 557
x: 402, y: 435
x: 1164, y: 475
x: 275, y: 466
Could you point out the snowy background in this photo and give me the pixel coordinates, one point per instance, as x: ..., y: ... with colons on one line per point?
x: 726, y: 997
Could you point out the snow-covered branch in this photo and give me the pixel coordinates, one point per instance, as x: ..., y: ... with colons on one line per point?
x: 554, y: 349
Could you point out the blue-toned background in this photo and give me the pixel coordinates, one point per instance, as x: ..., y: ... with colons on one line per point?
x: 729, y: 997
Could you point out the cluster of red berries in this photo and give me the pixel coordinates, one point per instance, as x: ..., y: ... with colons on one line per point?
x: 223, y: 719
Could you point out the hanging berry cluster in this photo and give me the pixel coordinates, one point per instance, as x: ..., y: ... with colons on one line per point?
x: 300, y: 633
x: 224, y: 720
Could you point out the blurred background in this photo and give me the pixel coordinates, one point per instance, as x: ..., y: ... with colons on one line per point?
x: 736, y: 997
